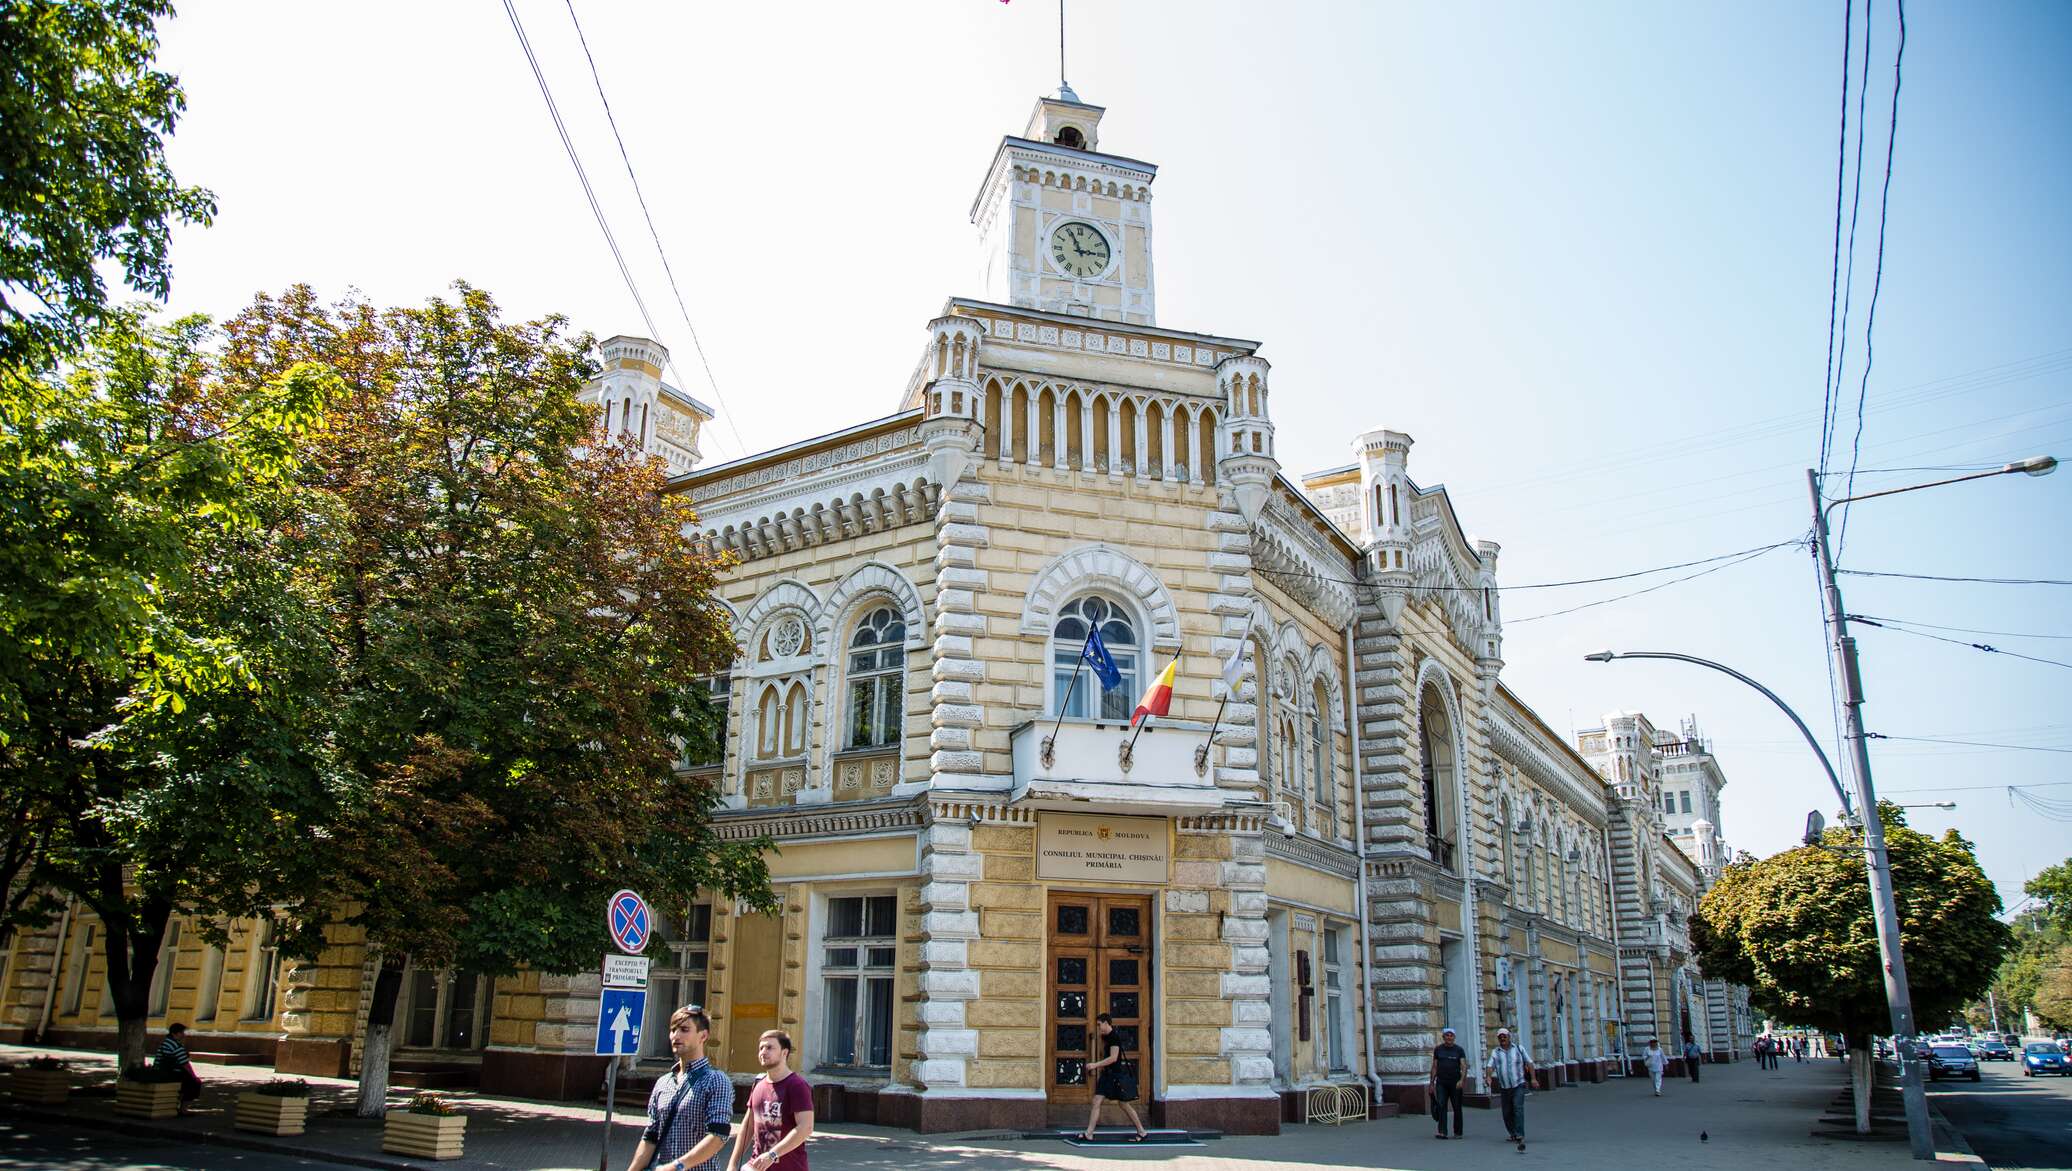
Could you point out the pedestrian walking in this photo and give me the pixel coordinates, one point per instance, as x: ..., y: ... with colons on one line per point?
x: 1798, y: 1050
x: 1509, y: 1069
x: 1115, y: 1084
x: 780, y: 1111
x: 691, y: 1108
x: 1449, y: 1068
x: 172, y: 1058
x: 1657, y: 1061
x: 1693, y: 1057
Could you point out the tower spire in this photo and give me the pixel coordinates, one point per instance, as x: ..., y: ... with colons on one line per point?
x: 1064, y: 87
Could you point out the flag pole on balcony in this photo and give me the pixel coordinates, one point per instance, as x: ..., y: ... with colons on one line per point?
x: 1233, y: 674
x: 1157, y: 701
x: 1093, y: 652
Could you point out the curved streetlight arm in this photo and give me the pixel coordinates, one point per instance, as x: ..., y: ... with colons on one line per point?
x: 1832, y: 778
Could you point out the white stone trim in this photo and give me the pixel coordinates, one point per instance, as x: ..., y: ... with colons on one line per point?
x: 1091, y: 567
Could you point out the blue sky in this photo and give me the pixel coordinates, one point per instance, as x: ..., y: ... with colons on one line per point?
x: 1581, y: 252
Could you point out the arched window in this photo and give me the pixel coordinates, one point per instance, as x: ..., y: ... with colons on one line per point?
x: 877, y: 678
x: 1435, y: 735
x: 781, y: 722
x: 1319, y: 730
x: 1068, y: 639
x: 1503, y: 834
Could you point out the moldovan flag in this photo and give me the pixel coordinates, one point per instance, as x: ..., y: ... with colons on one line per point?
x: 1159, y: 699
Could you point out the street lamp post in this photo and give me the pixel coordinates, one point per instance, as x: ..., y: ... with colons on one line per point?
x: 1885, y: 914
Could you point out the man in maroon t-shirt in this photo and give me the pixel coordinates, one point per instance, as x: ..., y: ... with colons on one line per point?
x: 780, y: 1112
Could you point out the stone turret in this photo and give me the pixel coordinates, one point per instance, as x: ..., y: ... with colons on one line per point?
x: 1384, y: 458
x: 1244, y: 443
x: 950, y: 398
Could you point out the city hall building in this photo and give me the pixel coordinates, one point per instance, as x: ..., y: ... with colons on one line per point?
x: 1281, y: 891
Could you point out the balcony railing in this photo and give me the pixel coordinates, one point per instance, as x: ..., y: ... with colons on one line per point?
x: 1441, y: 849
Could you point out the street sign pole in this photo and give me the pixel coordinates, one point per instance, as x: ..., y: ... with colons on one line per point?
x: 611, y: 1099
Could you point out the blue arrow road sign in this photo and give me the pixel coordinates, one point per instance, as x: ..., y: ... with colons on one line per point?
x: 618, y: 1021
x: 627, y: 916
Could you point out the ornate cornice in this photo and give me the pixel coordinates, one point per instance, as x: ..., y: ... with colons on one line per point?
x: 817, y: 821
x: 1316, y: 855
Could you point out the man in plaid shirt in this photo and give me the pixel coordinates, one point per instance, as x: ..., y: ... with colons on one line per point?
x: 691, y: 1108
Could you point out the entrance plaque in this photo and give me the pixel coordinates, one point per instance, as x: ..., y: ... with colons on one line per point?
x: 1088, y: 847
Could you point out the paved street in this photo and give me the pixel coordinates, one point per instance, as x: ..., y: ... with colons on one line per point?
x: 1747, y: 1116
x: 2011, y: 1121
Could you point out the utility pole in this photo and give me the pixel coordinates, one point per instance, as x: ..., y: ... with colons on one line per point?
x: 1884, y: 912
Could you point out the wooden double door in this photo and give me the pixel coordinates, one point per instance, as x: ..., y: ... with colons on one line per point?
x: 1100, y: 961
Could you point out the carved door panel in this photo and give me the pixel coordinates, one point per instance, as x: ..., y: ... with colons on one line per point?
x: 1099, y: 958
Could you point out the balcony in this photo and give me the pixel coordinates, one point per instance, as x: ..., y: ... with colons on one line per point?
x: 1085, y: 768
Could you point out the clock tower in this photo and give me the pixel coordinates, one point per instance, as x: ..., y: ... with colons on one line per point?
x: 1063, y: 227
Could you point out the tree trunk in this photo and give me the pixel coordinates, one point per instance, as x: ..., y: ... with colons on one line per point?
x: 374, y: 1055
x: 1860, y: 1079
x: 132, y: 961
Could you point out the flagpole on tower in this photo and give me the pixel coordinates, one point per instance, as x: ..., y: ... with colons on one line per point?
x: 1063, y: 85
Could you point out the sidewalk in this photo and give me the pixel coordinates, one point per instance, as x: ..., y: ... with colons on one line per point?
x: 1746, y: 1115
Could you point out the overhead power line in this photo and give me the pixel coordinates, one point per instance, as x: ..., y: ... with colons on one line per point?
x: 1540, y: 585
x: 1863, y: 85
x: 1988, y: 648
x: 656, y: 236
x: 1750, y: 556
x: 1878, y: 279
x: 1834, y: 273
x: 1967, y: 743
x: 1976, y: 788
x: 1958, y: 629
x: 2049, y: 581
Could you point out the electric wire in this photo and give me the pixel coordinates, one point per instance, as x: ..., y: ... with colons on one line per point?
x: 582, y: 176
x: 1537, y: 585
x: 1650, y: 589
x: 1977, y: 788
x: 1827, y: 389
x: 1957, y: 629
x: 1969, y: 743
x: 653, y: 234
x: 1863, y: 87
x: 1988, y: 648
x: 1878, y: 279
x: 2049, y: 581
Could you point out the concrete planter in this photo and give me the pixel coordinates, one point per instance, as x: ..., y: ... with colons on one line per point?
x: 274, y: 1114
x: 147, y: 1099
x: 42, y: 1087
x: 427, y: 1136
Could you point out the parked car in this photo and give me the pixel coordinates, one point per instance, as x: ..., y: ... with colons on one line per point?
x: 2043, y: 1057
x: 1992, y: 1050
x: 1951, y: 1061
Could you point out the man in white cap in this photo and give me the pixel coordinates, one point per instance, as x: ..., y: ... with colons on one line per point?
x: 1510, y: 1068
x: 1449, y: 1066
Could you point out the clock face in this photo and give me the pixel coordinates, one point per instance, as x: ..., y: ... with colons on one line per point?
x: 1080, y: 249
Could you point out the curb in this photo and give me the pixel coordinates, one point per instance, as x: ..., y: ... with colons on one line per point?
x: 219, y: 1138
x: 1949, y: 1136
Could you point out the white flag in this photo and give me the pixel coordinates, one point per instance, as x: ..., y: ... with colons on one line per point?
x: 1234, y: 666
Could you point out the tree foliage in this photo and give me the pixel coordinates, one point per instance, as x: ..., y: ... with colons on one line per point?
x: 83, y: 122
x: 2052, y: 888
x: 1797, y: 929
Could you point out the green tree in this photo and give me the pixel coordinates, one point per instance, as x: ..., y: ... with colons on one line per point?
x: 83, y: 122
x: 519, y: 623
x: 1797, y: 929
x: 153, y: 760
x: 2053, y: 1003
x: 2052, y: 887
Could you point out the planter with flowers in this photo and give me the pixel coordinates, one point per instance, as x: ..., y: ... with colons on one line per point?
x: 146, y: 1091
x: 42, y: 1081
x: 279, y: 1107
x: 429, y: 1128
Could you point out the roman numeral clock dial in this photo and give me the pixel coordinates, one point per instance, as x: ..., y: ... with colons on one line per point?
x: 1080, y: 250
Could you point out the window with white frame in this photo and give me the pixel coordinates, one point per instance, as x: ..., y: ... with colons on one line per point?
x: 1336, y: 1055
x: 263, y: 973
x: 877, y: 679
x: 211, y: 989
x: 1318, y: 727
x: 858, y: 955
x: 162, y: 976
x: 781, y: 705
x: 446, y: 1010
x: 1087, y: 698
x: 687, y: 959
x: 75, y: 975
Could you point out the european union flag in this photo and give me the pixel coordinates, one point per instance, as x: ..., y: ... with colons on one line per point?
x: 1096, y: 655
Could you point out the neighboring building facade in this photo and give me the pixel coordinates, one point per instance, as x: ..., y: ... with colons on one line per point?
x: 974, y: 857
x: 1670, y: 785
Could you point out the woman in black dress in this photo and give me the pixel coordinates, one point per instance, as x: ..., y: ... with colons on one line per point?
x: 1114, y: 1084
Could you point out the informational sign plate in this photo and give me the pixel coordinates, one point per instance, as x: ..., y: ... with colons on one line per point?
x: 618, y: 1021
x: 630, y: 921
x: 625, y: 971
x: 1090, y: 847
